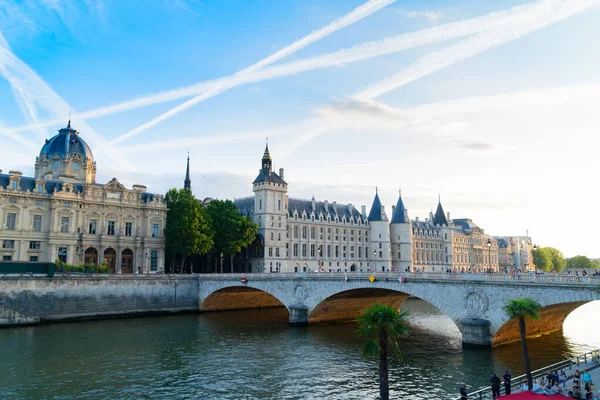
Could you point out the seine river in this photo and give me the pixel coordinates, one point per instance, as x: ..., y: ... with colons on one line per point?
x: 255, y: 355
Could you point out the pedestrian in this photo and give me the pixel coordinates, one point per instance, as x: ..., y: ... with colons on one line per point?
x: 495, y: 386
x: 507, y: 378
x: 463, y: 392
x: 563, y: 378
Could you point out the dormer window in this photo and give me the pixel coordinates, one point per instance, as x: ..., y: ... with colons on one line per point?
x: 40, y: 187
x: 13, y: 185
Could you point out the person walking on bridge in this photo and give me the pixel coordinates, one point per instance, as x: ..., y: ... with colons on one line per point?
x: 463, y: 392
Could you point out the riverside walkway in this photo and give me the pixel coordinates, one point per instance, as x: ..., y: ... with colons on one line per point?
x: 589, y: 361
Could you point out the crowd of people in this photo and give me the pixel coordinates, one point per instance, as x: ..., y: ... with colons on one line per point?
x: 555, y: 382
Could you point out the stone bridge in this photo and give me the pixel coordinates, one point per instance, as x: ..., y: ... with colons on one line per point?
x: 473, y: 302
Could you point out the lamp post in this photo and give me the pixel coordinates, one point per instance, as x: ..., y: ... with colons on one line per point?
x: 320, y: 251
x: 221, y: 262
x: 489, y: 245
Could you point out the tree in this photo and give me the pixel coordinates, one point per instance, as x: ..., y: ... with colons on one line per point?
x: 188, y: 229
x: 381, y: 326
x: 558, y: 260
x: 580, y: 262
x: 232, y: 230
x: 522, y: 309
x: 542, y: 259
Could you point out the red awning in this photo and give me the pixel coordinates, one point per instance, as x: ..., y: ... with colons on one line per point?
x: 532, y: 396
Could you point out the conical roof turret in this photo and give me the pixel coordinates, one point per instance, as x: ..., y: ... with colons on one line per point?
x: 440, y: 216
x: 399, y: 217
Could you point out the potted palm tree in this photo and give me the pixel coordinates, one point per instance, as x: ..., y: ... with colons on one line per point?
x: 521, y: 309
x: 382, y: 327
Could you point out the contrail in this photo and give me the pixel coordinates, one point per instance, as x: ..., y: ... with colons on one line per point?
x: 223, y: 84
x: 359, y: 52
x: 43, y: 95
x: 548, y: 13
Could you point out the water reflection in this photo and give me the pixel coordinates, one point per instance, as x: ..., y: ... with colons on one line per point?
x: 255, y: 355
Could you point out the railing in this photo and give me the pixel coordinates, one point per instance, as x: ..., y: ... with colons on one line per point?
x: 493, y: 277
x: 591, y: 359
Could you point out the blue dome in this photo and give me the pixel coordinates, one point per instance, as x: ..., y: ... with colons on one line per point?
x: 66, y: 143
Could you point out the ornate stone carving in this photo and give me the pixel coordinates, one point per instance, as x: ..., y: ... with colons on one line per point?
x: 300, y: 292
x: 477, y: 302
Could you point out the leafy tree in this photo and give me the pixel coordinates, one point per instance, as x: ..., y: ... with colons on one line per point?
x: 542, y: 259
x: 522, y: 309
x: 188, y: 229
x: 381, y: 326
x: 580, y: 262
x: 232, y: 231
x: 558, y: 260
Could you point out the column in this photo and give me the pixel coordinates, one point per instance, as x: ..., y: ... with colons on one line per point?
x: 298, y: 315
x: 475, y: 332
x: 118, y: 260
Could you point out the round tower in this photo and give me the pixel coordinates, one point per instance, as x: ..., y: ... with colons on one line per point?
x: 379, y: 237
x: 401, y: 237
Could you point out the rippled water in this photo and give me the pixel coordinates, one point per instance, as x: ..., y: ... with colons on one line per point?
x: 255, y: 355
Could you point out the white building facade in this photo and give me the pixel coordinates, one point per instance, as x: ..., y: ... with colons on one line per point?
x: 62, y: 213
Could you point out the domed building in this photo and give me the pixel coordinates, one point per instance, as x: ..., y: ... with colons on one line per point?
x: 62, y: 213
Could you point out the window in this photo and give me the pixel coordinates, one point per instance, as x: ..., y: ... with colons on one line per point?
x: 66, y: 204
x: 64, y: 224
x: 279, y: 205
x: 313, y: 232
x: 128, y: 228
x: 296, y: 232
x: 11, y: 221
x: 337, y: 251
x: 13, y: 185
x: 328, y: 251
x: 93, y: 225
x: 12, y: 200
x: 62, y: 254
x: 270, y: 252
x: 278, y: 235
x: 359, y: 252
x: 304, y: 232
x: 8, y: 244
x: 304, y: 250
x: 399, y: 256
x: 380, y: 245
x: 111, y: 228
x: 154, y: 231
x: 380, y: 254
x: 154, y: 259
x: 280, y: 222
x: 272, y: 235
x: 277, y: 252
x: 39, y: 203
x: 312, y: 250
x: 34, y: 245
x: 272, y: 221
x: 40, y: 187
x: 6, y: 258
x: 295, y: 249
x: 37, y: 223
x: 33, y: 258
x: 260, y: 204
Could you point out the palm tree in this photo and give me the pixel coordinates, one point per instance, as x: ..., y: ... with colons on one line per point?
x: 382, y: 326
x: 521, y: 309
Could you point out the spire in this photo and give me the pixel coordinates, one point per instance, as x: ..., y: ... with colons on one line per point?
x: 399, y: 216
x: 375, y: 214
x: 266, y: 160
x: 187, y: 183
x: 440, y: 216
x: 69, y: 124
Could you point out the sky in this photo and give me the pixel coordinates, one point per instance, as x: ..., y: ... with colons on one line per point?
x: 492, y: 106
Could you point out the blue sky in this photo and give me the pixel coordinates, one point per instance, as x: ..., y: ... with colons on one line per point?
x: 492, y: 105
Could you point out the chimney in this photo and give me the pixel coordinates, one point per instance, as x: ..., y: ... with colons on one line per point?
x: 281, y: 173
x: 417, y: 219
x: 426, y: 220
x: 382, y: 209
x: 448, y: 216
x: 350, y: 207
x: 334, y: 204
x: 393, y: 209
x: 363, y: 210
x: 314, y: 203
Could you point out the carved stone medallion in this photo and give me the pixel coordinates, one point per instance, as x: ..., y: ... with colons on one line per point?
x: 477, y: 302
x: 300, y: 292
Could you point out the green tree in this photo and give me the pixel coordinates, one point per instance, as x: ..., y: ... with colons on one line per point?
x: 542, y: 259
x: 522, y: 309
x: 232, y: 230
x: 558, y: 260
x: 188, y: 229
x: 382, y: 327
x: 580, y: 262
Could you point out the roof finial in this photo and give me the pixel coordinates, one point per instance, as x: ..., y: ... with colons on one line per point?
x: 400, y: 190
x: 376, y: 189
x: 69, y: 124
x: 439, y: 198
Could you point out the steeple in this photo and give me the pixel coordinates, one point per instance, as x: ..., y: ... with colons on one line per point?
x: 440, y: 216
x: 266, y: 160
x: 376, y: 213
x: 187, y: 183
x: 400, y: 216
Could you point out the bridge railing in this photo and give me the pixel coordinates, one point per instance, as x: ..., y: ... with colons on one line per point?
x: 494, y: 277
x: 590, y: 360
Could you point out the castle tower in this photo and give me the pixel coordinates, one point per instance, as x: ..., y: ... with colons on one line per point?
x: 443, y: 222
x: 187, y: 183
x: 270, y: 207
x: 401, y: 237
x: 379, y: 244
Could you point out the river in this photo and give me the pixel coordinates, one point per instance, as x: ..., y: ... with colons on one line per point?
x: 256, y: 355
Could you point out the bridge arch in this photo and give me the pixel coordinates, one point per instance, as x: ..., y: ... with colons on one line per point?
x: 239, y: 296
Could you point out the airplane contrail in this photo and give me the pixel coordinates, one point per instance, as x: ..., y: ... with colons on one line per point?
x: 359, y: 52
x: 43, y: 95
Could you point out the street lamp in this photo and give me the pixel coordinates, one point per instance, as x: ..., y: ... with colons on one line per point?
x: 221, y: 262
x: 489, y: 245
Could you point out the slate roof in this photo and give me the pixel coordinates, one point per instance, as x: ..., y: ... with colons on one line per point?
x: 375, y: 212
x: 67, y: 142
x: 465, y: 225
x: 245, y: 205
x: 440, y: 217
x: 264, y: 175
x: 398, y: 215
x: 502, y: 243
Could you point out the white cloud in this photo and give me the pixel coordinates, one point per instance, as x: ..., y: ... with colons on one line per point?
x: 430, y: 15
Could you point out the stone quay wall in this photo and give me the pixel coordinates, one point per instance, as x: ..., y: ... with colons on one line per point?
x: 34, y: 300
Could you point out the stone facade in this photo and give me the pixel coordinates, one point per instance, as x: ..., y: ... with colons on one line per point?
x: 514, y: 252
x: 62, y: 213
x: 298, y: 235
